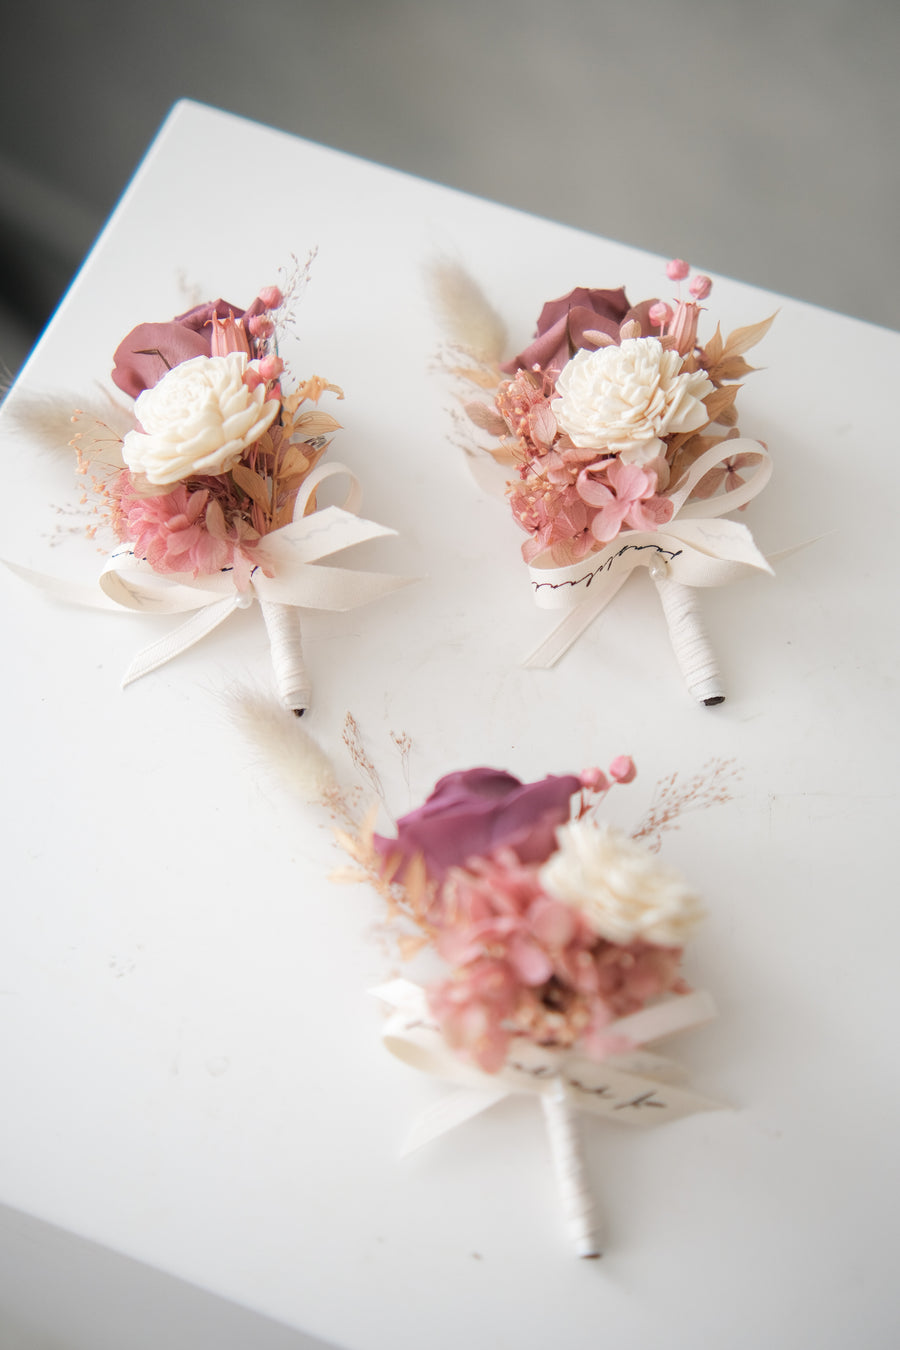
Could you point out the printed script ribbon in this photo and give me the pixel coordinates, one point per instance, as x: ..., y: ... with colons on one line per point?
x: 695, y: 548
x: 291, y: 554
x: 636, y: 1087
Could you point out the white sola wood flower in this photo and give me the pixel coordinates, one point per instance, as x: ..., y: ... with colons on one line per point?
x: 623, y: 891
x: 625, y: 399
x: 198, y: 419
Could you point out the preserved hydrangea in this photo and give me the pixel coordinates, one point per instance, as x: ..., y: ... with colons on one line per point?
x: 625, y: 399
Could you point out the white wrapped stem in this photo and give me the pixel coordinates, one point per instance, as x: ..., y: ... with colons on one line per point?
x: 568, y: 1162
x: 283, y: 625
x: 690, y: 644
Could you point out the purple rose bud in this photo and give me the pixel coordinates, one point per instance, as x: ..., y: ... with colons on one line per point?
x: 473, y: 813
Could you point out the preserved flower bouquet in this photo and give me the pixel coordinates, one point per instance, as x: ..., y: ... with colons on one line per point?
x: 563, y: 937
x: 617, y: 428
x: 209, y: 483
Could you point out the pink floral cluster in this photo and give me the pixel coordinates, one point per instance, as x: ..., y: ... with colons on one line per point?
x: 523, y: 962
x: 572, y: 500
x: 528, y: 965
x: 186, y: 531
x: 205, y: 523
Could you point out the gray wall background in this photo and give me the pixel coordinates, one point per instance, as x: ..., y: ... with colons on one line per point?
x: 756, y: 139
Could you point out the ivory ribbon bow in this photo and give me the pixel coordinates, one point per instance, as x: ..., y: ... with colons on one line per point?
x: 290, y: 553
x: 695, y: 548
x: 636, y: 1087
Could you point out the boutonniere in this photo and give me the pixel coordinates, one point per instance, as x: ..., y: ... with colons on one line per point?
x: 208, y: 484
x: 616, y: 431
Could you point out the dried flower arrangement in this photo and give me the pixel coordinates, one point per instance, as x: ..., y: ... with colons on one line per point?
x: 562, y: 934
x: 621, y: 429
x: 210, y: 482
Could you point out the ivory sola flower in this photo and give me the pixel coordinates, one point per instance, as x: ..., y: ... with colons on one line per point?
x: 621, y: 889
x: 626, y: 399
x: 197, y: 420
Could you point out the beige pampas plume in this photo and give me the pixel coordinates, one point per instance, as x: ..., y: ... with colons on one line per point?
x: 283, y: 743
x: 54, y: 421
x: 466, y: 315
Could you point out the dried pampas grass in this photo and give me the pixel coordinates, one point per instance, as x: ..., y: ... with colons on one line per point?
x: 284, y: 744
x: 55, y: 421
x: 467, y: 316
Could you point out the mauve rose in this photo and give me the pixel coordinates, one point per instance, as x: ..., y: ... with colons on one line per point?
x: 563, y: 323
x: 472, y: 813
x: 152, y: 349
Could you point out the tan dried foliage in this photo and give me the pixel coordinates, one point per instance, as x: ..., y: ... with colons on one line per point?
x: 310, y: 425
x: 720, y: 400
x: 256, y: 488
x: 485, y: 417
x: 483, y: 377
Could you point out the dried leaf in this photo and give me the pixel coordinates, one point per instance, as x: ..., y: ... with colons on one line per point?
x: 347, y: 875
x: 256, y: 488
x: 742, y: 339
x: 354, y: 847
x: 720, y: 400
x: 485, y: 417
x: 599, y: 339
x: 292, y: 482
x: 731, y: 368
x: 293, y: 461
x: 714, y: 348
x: 214, y: 520
x: 507, y: 452
x: 312, y: 424
x: 415, y: 879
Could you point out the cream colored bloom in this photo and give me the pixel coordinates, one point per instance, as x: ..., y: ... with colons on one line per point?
x: 626, y: 399
x: 624, y: 893
x: 197, y: 420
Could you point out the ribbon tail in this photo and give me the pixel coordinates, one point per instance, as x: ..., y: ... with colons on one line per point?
x: 70, y: 592
x: 197, y: 627
x: 449, y: 1112
x: 576, y: 622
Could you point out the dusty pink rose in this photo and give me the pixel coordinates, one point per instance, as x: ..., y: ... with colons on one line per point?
x: 150, y: 350
x: 477, y: 811
x: 563, y: 323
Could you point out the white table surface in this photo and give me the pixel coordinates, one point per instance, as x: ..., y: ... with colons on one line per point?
x: 191, y: 1067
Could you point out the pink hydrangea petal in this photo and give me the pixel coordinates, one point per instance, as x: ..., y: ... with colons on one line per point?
x: 528, y: 961
x: 552, y: 923
x: 630, y: 480
x: 592, y: 492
